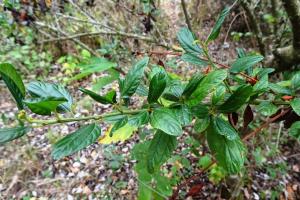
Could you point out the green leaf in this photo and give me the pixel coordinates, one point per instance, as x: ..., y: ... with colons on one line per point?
x: 165, y: 120
x: 119, y: 124
x: 210, y: 81
x: 95, y: 65
x: 204, y: 161
x: 192, y: 85
x: 76, y: 141
x: 193, y: 59
x: 218, y: 94
x: 103, y: 81
x: 295, y: 130
x: 266, y: 108
x: 133, y: 78
x: 155, y: 70
x: 264, y: 71
x: 173, y: 91
x: 163, y: 186
x: 140, y: 153
x: 222, y: 127
x: 39, y: 89
x: 142, y: 90
x: 160, y: 149
x: 14, y: 83
x: 9, y: 134
x: 139, y: 119
x: 262, y: 84
x: 241, y: 64
x: 295, y: 103
x: 44, y: 106
x: 241, y: 52
x: 183, y: 113
x: 230, y: 154
x: 295, y: 82
x: 187, y: 41
x: 201, y: 124
x: 200, y: 111
x: 109, y: 98
x: 144, y: 191
x: 217, y: 27
x: 236, y: 100
x: 157, y: 86
x: 279, y: 89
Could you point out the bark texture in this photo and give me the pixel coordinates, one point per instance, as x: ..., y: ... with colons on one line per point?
x: 290, y: 55
x: 254, y: 25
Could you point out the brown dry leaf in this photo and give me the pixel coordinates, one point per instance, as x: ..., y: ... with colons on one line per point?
x: 123, y: 192
x: 290, y: 192
x: 195, y: 189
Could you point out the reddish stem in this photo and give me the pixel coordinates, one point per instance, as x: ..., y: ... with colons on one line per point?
x: 271, y: 120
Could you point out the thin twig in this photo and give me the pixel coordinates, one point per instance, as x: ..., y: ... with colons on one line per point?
x: 230, y: 25
x: 101, y: 32
x: 65, y: 34
x: 278, y: 134
x: 84, y: 21
x: 266, y: 124
x: 186, y: 15
x: 91, y: 18
x: 215, y: 62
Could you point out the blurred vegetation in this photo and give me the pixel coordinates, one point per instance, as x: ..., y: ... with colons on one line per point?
x: 92, y: 43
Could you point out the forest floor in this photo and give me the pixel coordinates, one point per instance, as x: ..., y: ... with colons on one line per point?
x: 106, y: 171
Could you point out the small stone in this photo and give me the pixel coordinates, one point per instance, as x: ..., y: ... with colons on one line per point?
x: 83, y: 160
x: 94, y: 155
x: 75, y: 169
x: 34, y: 193
x: 99, y: 187
x: 82, y: 174
x: 79, y: 190
x: 64, y: 130
x: 125, y: 149
x: 62, y: 174
x: 71, y: 174
x: 76, y: 164
x: 226, y: 45
x: 123, y: 192
x: 295, y: 187
x: 102, y: 179
x: 86, y: 190
x: 296, y: 168
x: 246, y: 193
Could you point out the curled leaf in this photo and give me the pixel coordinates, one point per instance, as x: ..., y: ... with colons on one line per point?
x: 248, y: 116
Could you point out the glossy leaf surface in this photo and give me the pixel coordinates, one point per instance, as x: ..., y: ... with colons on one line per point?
x: 165, y: 120
x: 157, y: 86
x: 237, y: 99
x: 109, y: 98
x: 44, y: 106
x: 14, y: 82
x: 39, y: 89
x: 160, y: 149
x: 76, y: 141
x: 9, y: 134
x: 133, y: 78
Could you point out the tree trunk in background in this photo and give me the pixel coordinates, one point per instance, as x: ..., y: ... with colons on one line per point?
x: 290, y: 55
x: 254, y: 25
